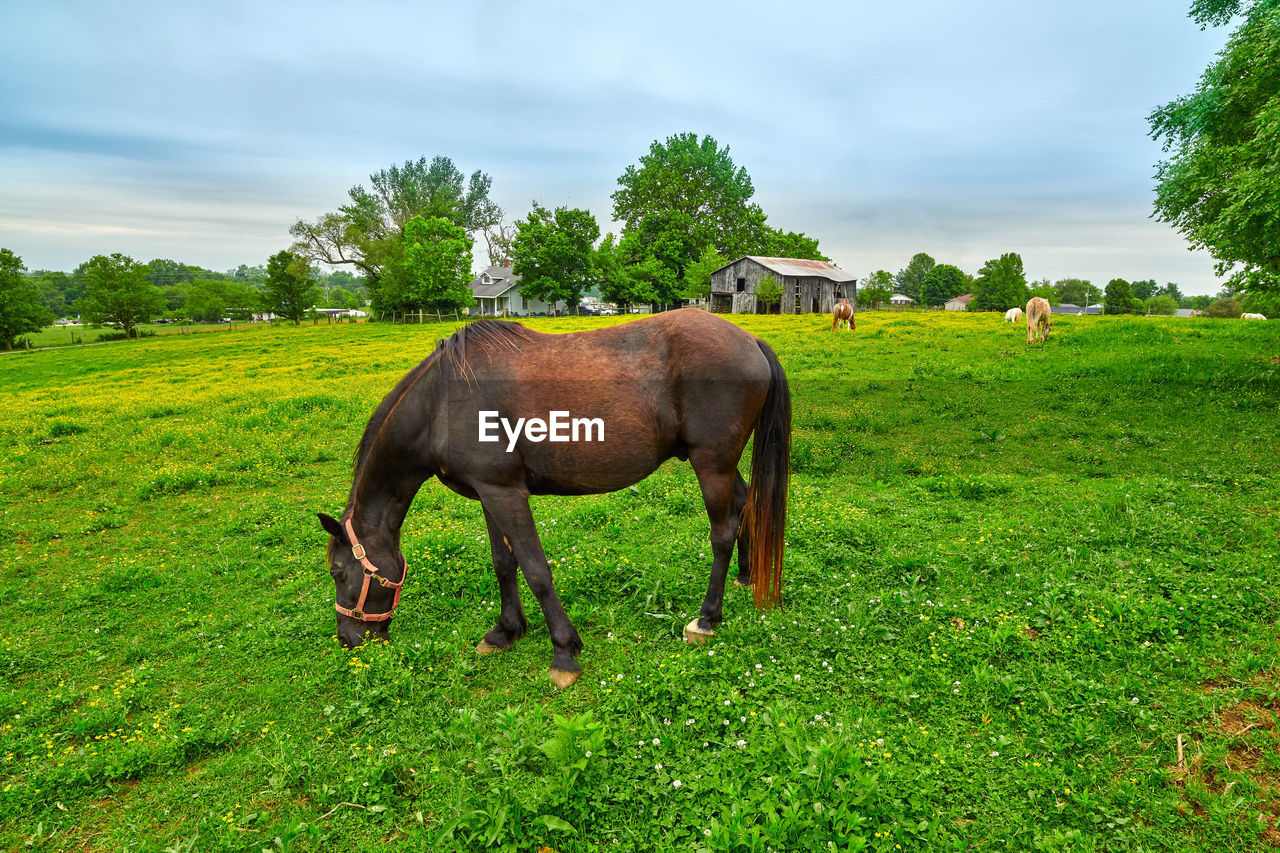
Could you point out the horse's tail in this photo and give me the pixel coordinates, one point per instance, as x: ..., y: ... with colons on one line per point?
x: 766, y: 510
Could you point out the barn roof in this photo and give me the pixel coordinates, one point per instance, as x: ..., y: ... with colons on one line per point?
x: 799, y: 268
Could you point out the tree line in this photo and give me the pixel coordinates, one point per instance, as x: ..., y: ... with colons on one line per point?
x: 684, y: 208
x: 1001, y: 283
x: 117, y: 291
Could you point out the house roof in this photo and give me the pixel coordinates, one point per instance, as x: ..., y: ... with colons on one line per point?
x: 900, y: 297
x: 963, y: 300
x: 501, y: 280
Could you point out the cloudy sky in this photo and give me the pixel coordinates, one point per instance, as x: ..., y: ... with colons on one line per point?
x: 201, y: 132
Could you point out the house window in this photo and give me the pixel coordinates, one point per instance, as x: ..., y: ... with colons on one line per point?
x: 524, y: 303
x: 485, y: 278
x: 742, y: 285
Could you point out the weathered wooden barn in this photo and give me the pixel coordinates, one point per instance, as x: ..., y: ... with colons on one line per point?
x: 808, y: 287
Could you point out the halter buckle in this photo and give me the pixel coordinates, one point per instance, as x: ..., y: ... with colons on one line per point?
x: 358, y: 550
x: 357, y: 614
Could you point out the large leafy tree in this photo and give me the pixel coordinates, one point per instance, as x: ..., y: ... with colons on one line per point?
x: 368, y: 232
x: 1219, y: 186
x: 942, y: 282
x: 21, y: 308
x: 554, y: 254
x: 435, y: 271
x: 290, y: 286
x: 1001, y: 284
x: 117, y: 293
x: 696, y: 179
x: 685, y: 196
x: 1076, y: 291
x: 910, y: 279
x: 697, y: 276
x: 1119, y: 293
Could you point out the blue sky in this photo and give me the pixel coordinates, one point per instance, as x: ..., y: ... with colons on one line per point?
x: 964, y: 130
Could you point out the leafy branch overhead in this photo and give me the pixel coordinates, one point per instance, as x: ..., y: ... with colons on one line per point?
x: 1219, y: 185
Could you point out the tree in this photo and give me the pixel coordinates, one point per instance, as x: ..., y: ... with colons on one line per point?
x: 769, y: 292
x: 876, y: 289
x: 21, y: 310
x: 697, y: 179
x: 910, y: 279
x: 435, y: 271
x: 665, y: 246
x: 789, y: 244
x: 941, y: 283
x: 1118, y: 295
x: 1045, y: 291
x: 209, y: 300
x: 1218, y: 186
x: 1266, y: 303
x: 622, y: 283
x: 1001, y: 284
x: 1144, y: 290
x: 290, y: 286
x: 117, y: 293
x: 697, y: 276
x: 1228, y: 307
x: 369, y: 232
x: 554, y: 255
x: 1162, y: 304
x: 1171, y: 289
x: 1076, y: 291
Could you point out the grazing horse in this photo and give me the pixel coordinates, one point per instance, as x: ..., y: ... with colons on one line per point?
x: 1013, y: 315
x: 1038, y: 322
x: 494, y: 412
x: 842, y: 316
x: 1247, y: 316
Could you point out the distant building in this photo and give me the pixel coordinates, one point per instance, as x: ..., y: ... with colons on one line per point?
x: 808, y: 287
x: 901, y: 299
x: 959, y: 303
x: 497, y: 293
x: 1072, y: 308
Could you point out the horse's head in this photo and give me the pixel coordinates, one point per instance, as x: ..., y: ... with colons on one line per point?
x: 365, y: 594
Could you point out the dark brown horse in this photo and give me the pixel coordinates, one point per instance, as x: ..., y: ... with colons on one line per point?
x: 499, y: 412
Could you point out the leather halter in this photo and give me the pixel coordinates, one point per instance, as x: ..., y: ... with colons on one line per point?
x: 370, y: 573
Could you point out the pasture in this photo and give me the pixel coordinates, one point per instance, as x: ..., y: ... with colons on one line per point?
x: 1029, y: 603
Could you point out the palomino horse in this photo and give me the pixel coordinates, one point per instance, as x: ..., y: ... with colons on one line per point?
x: 1013, y: 315
x: 1248, y: 316
x: 1038, y: 322
x: 683, y: 384
x: 842, y: 316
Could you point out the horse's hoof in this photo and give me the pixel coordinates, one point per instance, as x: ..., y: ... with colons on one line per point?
x: 485, y: 649
x: 562, y: 679
x: 737, y: 584
x: 694, y: 634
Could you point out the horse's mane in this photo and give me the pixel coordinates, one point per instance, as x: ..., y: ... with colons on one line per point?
x: 453, y: 356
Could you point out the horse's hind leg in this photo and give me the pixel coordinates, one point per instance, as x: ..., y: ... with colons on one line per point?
x: 511, y: 622
x: 718, y: 494
x: 744, y: 532
x: 509, y: 509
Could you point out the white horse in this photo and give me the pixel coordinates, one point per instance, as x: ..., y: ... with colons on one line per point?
x: 1252, y: 317
x: 1013, y: 315
x: 1038, y: 322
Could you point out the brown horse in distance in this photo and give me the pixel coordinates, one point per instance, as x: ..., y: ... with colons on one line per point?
x: 842, y: 316
x: 683, y: 384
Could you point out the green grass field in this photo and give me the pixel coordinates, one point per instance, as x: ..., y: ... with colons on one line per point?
x: 1020, y: 584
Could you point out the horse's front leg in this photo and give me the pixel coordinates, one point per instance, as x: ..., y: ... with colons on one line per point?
x: 513, y: 519
x: 511, y: 622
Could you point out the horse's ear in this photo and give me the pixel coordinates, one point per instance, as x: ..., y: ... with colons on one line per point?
x: 333, y: 527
